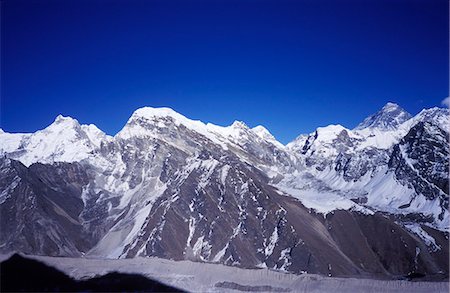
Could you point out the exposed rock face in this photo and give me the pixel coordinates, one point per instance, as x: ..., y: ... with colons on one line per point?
x: 20, y: 274
x: 41, y: 213
x: 422, y: 155
x: 366, y: 202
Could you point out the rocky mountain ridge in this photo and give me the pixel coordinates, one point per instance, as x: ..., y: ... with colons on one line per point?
x: 172, y: 187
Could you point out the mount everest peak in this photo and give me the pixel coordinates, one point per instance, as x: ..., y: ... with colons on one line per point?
x: 388, y: 118
x: 169, y: 186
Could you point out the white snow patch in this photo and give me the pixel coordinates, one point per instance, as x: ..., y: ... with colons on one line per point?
x: 286, y: 258
x: 272, y: 242
x: 218, y: 257
x: 427, y: 238
x: 224, y: 173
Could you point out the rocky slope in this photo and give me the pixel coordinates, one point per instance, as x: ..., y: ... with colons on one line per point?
x: 372, y: 201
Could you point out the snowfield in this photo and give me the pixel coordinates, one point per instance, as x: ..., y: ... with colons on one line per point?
x: 204, y: 277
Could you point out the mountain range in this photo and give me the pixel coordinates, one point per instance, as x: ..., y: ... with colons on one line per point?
x: 368, y: 202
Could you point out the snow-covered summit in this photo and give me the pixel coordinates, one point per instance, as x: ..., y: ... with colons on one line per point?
x: 438, y: 116
x: 262, y: 132
x: 63, y: 140
x: 329, y: 132
x: 159, y: 116
x: 148, y: 121
x: 151, y: 122
x: 388, y: 118
x: 62, y: 125
x: 265, y: 135
x: 61, y: 119
x: 163, y: 112
x: 324, y: 141
x: 239, y: 125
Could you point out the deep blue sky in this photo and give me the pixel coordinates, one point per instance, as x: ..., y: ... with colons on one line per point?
x: 288, y: 65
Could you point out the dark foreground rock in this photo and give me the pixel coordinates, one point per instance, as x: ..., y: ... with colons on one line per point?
x: 19, y: 274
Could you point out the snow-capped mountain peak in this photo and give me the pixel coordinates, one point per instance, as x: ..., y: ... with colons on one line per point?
x: 439, y: 116
x: 153, y: 122
x: 239, y: 125
x: 148, y: 121
x: 265, y: 135
x: 390, y: 106
x: 329, y: 132
x: 61, y: 119
x: 64, y: 140
x: 262, y: 132
x: 151, y: 114
x: 62, y: 123
x: 388, y: 118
